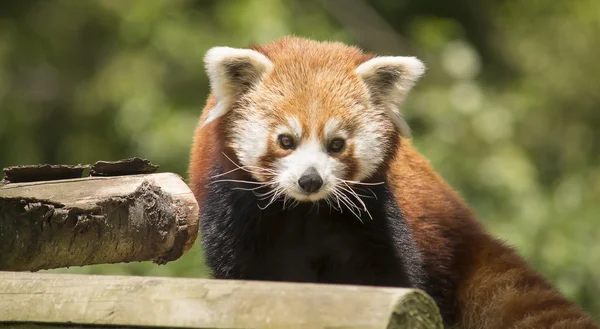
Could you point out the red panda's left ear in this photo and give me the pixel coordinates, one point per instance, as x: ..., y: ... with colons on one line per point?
x: 232, y: 72
x: 389, y: 79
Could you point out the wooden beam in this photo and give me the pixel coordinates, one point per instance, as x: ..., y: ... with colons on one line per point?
x: 95, y: 220
x: 94, y: 301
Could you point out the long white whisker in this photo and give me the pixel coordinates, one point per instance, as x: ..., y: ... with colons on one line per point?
x: 243, y: 168
x: 237, y: 165
x: 225, y: 173
x: 349, y: 190
x: 354, y: 194
x: 330, y: 203
x: 275, y: 197
x: 367, y: 190
x: 285, y: 199
x: 360, y: 183
x: 351, y: 208
x: 236, y: 181
x: 337, y: 199
x: 266, y: 194
x: 349, y: 200
x: 249, y: 189
x: 348, y: 203
x: 294, y: 204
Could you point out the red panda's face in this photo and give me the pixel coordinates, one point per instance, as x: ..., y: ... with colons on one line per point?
x: 311, y: 134
x: 310, y: 129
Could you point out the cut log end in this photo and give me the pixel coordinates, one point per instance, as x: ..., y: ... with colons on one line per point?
x: 96, y: 220
x: 416, y: 311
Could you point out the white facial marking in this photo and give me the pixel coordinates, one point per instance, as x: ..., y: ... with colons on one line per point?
x: 369, y: 142
x: 313, y: 109
x: 369, y: 148
x: 250, y: 139
x: 295, y: 126
x: 331, y: 128
x: 280, y: 130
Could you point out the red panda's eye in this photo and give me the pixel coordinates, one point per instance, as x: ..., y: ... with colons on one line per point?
x: 286, y: 142
x: 336, y: 145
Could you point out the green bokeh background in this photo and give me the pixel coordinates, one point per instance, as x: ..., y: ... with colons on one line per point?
x: 508, y: 111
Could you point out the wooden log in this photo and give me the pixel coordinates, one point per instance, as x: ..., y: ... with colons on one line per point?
x: 93, y: 301
x: 95, y: 220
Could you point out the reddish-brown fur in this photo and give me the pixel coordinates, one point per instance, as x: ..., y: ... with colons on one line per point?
x: 491, y: 286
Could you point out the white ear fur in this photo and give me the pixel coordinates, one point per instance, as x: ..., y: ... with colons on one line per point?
x: 231, y: 72
x: 389, y: 79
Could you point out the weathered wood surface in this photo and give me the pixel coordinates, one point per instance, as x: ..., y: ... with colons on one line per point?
x: 130, y: 166
x: 95, y: 220
x: 43, y: 172
x: 48, y: 172
x: 49, y: 300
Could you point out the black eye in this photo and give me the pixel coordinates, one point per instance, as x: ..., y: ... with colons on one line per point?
x: 286, y: 142
x: 336, y: 145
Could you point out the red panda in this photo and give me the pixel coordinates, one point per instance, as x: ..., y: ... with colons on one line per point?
x: 289, y: 182
x: 295, y: 137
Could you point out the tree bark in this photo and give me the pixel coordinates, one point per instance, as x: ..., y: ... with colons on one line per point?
x: 95, y: 220
x: 88, y: 301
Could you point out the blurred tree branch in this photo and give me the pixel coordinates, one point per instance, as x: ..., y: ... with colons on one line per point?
x: 367, y: 27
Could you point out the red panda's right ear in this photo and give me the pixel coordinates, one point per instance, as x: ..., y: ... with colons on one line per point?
x: 232, y: 71
x: 390, y: 79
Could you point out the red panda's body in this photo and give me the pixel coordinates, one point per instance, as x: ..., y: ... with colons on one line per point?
x: 477, y: 281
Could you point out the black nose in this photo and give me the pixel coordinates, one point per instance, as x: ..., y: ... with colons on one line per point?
x: 310, y: 180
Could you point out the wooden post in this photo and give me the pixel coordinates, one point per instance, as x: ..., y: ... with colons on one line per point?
x: 95, y: 220
x: 49, y: 300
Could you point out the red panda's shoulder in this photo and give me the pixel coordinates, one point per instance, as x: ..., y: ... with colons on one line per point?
x: 204, y: 149
x: 480, y: 280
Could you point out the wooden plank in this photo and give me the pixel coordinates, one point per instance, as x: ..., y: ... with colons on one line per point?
x: 95, y: 220
x: 98, y: 301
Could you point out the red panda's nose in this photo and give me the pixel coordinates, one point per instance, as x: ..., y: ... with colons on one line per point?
x: 310, y: 181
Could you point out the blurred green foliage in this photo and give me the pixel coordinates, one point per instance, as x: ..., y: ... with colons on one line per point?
x: 508, y: 111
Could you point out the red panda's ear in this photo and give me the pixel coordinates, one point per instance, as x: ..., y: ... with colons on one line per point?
x: 232, y: 72
x: 389, y: 79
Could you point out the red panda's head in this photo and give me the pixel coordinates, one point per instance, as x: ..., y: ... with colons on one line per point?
x: 309, y: 117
